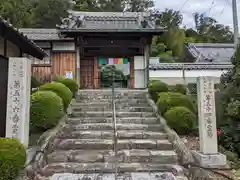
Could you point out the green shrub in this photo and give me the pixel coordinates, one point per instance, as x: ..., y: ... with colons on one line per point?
x: 71, y: 84
x: 35, y: 82
x: 181, y: 119
x: 156, y: 87
x: 61, y: 90
x: 12, y: 158
x: 168, y: 100
x: 59, y: 78
x: 180, y: 88
x: 45, y: 111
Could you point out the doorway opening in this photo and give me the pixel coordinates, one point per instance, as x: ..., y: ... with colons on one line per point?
x: 114, y: 70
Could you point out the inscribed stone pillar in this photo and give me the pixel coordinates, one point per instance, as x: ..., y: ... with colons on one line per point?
x: 208, y: 155
x: 207, y: 116
x: 18, y: 99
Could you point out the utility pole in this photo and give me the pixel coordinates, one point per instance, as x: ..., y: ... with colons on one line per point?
x: 235, y: 22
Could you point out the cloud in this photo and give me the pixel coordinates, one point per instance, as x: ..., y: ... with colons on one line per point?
x: 221, y: 10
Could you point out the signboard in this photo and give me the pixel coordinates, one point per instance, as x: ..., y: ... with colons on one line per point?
x: 69, y: 74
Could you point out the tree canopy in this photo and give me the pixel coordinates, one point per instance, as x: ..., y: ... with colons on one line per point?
x: 48, y: 13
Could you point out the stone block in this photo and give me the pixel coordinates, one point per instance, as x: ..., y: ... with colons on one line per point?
x: 210, y: 160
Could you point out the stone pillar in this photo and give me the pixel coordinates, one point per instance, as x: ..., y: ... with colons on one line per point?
x: 18, y: 99
x: 78, y: 57
x: 208, y: 155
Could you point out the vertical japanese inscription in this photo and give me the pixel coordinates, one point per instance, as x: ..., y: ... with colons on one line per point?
x: 208, y: 90
x: 16, y: 91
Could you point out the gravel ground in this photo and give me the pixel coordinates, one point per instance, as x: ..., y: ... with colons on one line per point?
x: 193, y: 144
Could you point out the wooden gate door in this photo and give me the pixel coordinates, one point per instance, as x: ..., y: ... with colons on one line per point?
x: 3, y: 94
x: 87, y: 73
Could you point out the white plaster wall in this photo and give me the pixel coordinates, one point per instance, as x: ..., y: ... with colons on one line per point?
x: 176, y: 76
x: 139, y: 75
x: 63, y: 46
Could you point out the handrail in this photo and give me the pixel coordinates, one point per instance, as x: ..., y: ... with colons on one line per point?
x: 114, y: 127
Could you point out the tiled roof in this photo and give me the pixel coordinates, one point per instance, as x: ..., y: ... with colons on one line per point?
x: 42, y: 34
x: 210, y: 52
x: 190, y: 66
x: 108, y: 21
x: 35, y: 50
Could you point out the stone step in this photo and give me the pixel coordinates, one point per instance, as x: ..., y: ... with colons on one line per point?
x: 124, y: 134
x: 110, y: 114
x: 101, y: 100
x: 108, y: 104
x: 110, y: 96
x: 53, y: 168
x: 109, y: 126
x: 97, y: 144
x: 118, y: 108
x: 123, y: 156
x: 123, y: 120
x: 120, y: 176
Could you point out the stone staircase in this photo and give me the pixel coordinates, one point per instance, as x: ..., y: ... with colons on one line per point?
x: 85, y: 146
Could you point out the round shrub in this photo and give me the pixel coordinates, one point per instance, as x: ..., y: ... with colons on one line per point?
x: 156, y: 87
x: 71, y: 84
x: 61, y: 90
x: 180, y: 88
x: 168, y: 100
x: 35, y: 82
x: 181, y: 119
x: 12, y: 158
x: 45, y: 111
x: 59, y: 78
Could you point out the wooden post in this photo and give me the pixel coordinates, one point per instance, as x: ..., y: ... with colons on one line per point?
x: 3, y: 93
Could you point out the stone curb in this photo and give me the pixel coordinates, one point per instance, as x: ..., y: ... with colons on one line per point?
x: 184, y: 154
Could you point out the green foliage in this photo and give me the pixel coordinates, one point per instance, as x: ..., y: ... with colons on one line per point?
x: 168, y: 100
x: 181, y: 119
x: 61, y: 90
x: 230, y: 138
x: 155, y: 87
x: 35, y: 82
x: 180, y: 88
x: 70, y: 83
x: 48, y: 13
x: 18, y: 12
x: 12, y: 158
x: 45, y: 111
x: 59, y: 78
x: 109, y: 73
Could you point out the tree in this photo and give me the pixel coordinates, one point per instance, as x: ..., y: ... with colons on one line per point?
x: 209, y: 30
x: 170, y: 18
x: 48, y: 13
x: 138, y: 5
x: 17, y: 12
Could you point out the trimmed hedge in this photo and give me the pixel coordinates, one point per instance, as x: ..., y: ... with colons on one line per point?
x: 61, y: 90
x: 181, y: 119
x: 180, y: 88
x: 168, y: 100
x: 12, y: 158
x: 156, y: 87
x: 59, y: 78
x: 35, y: 82
x: 45, y: 111
x: 70, y: 83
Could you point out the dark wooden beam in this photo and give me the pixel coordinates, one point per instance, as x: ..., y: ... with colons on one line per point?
x: 5, y: 44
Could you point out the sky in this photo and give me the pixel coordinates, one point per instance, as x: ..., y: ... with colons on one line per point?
x: 221, y: 10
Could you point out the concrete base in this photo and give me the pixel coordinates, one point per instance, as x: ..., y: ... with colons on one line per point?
x: 210, y: 160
